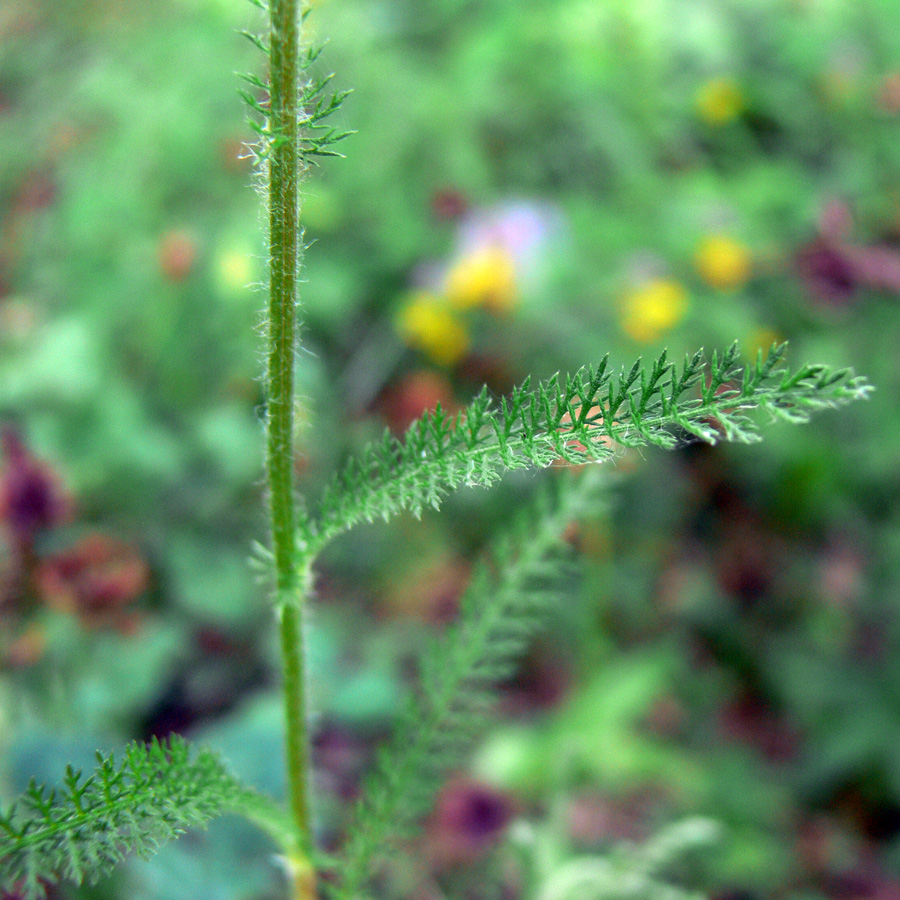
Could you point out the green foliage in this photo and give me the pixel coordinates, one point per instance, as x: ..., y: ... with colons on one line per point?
x: 580, y: 418
x: 630, y: 871
x: 503, y: 607
x: 573, y: 419
x: 80, y: 831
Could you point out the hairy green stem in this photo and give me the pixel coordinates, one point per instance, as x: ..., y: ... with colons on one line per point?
x: 284, y: 250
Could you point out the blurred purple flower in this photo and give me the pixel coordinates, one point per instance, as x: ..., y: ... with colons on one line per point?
x: 31, y: 496
x: 467, y: 822
x: 868, y: 882
x: 833, y: 268
x: 339, y: 759
x: 827, y: 272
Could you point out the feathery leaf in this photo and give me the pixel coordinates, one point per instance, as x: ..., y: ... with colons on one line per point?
x: 501, y: 610
x: 586, y: 417
x: 81, y: 830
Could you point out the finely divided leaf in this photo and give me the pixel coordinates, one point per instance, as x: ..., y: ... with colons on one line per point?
x: 502, y: 609
x: 581, y: 418
x: 81, y: 830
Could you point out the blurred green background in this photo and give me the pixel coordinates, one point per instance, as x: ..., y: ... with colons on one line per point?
x: 533, y: 184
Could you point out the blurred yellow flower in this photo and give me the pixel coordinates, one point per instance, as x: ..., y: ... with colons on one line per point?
x: 234, y: 270
x: 653, y: 309
x: 719, y: 101
x: 427, y: 324
x: 722, y: 262
x: 486, y: 277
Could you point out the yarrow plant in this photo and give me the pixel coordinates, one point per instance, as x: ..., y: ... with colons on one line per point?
x: 151, y: 793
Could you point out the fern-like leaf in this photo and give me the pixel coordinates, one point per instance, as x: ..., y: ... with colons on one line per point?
x: 580, y: 418
x: 81, y: 830
x: 501, y: 610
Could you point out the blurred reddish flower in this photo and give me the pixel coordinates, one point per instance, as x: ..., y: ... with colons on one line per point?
x: 823, y: 845
x: 38, y: 191
x: 879, y: 267
x: 177, y: 255
x: 447, y: 203
x: 414, y: 394
x: 96, y: 579
x: 493, y: 370
x: 430, y: 591
x: 26, y: 648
